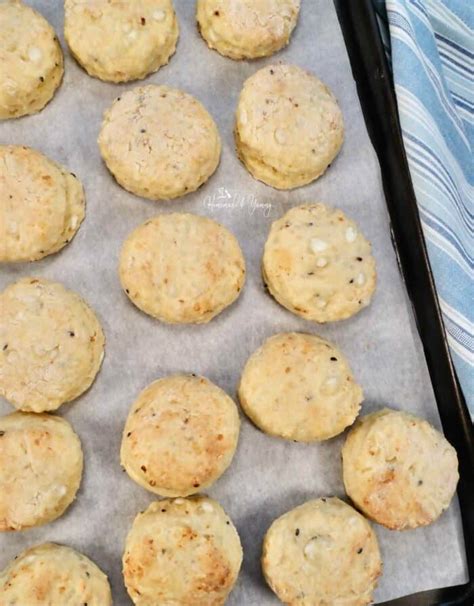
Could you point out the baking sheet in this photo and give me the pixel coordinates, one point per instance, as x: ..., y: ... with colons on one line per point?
x: 268, y: 476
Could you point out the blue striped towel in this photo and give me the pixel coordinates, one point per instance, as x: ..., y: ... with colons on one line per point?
x: 431, y: 46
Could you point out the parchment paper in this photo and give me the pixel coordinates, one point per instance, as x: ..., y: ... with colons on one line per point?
x: 268, y: 476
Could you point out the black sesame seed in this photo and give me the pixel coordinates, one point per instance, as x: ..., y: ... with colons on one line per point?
x: 420, y: 482
x: 118, y: 98
x: 143, y: 130
x: 163, y: 551
x: 143, y: 21
x: 143, y: 468
x: 360, y: 550
x: 333, y: 359
x: 272, y: 72
x: 2, y: 433
x: 88, y: 574
x: 216, y: 13
x: 311, y: 273
x: 323, y: 500
x: 127, y: 291
x: 359, y: 259
x: 5, y: 346
x: 72, y: 333
x: 129, y: 434
x: 41, y: 79
x: 196, y: 484
x: 297, y: 532
x: 74, y: 175
x: 228, y: 523
x: 351, y: 281
x: 163, y: 511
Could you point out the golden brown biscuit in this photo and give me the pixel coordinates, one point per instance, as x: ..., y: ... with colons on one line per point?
x: 322, y: 553
x: 120, y: 41
x: 398, y: 469
x: 184, y: 552
x: 40, y: 469
x: 42, y: 204
x: 159, y: 142
x: 31, y: 60
x: 180, y: 435
x: 53, y: 575
x: 299, y: 387
x: 182, y: 268
x: 51, y: 345
x: 247, y: 29
x: 318, y: 264
x: 288, y: 126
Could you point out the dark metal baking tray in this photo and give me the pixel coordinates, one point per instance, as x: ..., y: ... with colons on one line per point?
x: 377, y: 96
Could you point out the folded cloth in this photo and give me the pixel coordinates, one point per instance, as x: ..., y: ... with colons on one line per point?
x: 431, y: 47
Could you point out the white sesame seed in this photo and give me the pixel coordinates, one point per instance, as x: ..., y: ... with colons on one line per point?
x: 179, y: 501
x: 34, y: 54
x: 351, y: 234
x: 321, y: 303
x: 159, y: 15
x: 311, y: 549
x: 280, y: 136
x: 322, y: 262
x: 331, y: 383
x: 317, y: 245
x: 207, y: 507
x: 360, y: 279
x: 243, y: 117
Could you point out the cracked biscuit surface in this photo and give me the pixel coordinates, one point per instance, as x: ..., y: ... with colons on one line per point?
x: 322, y: 553
x: 159, y: 142
x: 31, y: 60
x: 318, y: 264
x: 40, y: 469
x: 299, y: 387
x: 53, y: 575
x: 288, y: 126
x: 42, y: 205
x: 247, y: 29
x: 180, y: 435
x: 183, y: 552
x: 182, y: 268
x: 398, y: 469
x: 120, y: 41
x: 51, y: 345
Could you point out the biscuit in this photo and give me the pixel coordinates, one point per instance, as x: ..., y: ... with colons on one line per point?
x: 31, y: 60
x: 243, y: 29
x: 288, y: 126
x: 51, y: 345
x: 180, y: 435
x: 182, y: 268
x: 399, y: 470
x: 42, y: 205
x: 317, y: 264
x: 40, y: 469
x: 182, y: 552
x: 322, y: 552
x: 159, y: 142
x: 120, y: 41
x: 51, y: 574
x: 299, y: 387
